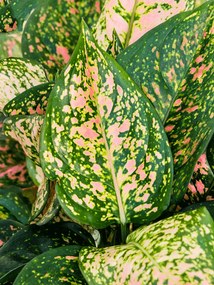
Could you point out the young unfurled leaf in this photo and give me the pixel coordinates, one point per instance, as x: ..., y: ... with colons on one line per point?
x: 10, y: 45
x: 57, y: 266
x: 52, y: 31
x: 34, y: 240
x: 12, y: 199
x: 180, y: 53
x: 12, y: 162
x: 177, y: 250
x: 26, y: 130
x: 131, y: 19
x: 32, y: 101
x: 17, y: 75
x: 104, y: 143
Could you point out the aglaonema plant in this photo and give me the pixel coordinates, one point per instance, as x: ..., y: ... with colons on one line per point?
x: 112, y: 105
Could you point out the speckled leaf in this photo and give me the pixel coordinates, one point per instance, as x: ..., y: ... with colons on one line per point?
x: 5, y: 214
x: 8, y: 229
x: 35, y: 172
x: 113, y: 144
x: 201, y: 186
x: 177, y: 250
x: 12, y: 162
x: 12, y: 199
x: 52, y: 30
x: 131, y: 19
x: 32, y: 101
x: 208, y: 204
x: 145, y: 59
x: 57, y: 266
x: 26, y: 130
x: 17, y: 75
x: 10, y: 45
x: 34, y: 240
x: 7, y: 21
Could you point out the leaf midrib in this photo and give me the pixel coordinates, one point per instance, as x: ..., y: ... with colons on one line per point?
x: 131, y: 23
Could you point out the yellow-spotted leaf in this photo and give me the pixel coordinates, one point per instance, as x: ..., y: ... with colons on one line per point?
x: 53, y: 28
x: 104, y: 143
x: 177, y: 250
x: 57, y: 266
x: 131, y: 19
x: 32, y: 101
x: 17, y: 75
x: 179, y: 56
x: 8, y: 229
x: 26, y: 130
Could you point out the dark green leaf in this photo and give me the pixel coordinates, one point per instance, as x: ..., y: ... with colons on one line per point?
x: 35, y: 172
x: 210, y: 153
x: 7, y: 21
x: 177, y: 250
x: 7, y: 229
x: 17, y: 75
x: 34, y: 240
x: 52, y: 30
x: 32, y: 101
x: 106, y: 133
x: 12, y: 199
x: 57, y: 266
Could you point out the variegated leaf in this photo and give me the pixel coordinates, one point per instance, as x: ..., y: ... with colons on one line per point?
x: 145, y: 59
x: 33, y: 240
x: 32, y: 101
x: 57, y: 266
x: 12, y: 162
x: 26, y: 130
x: 104, y: 143
x: 7, y: 20
x: 35, y: 172
x: 131, y: 19
x: 10, y: 45
x: 177, y: 250
x: 52, y: 30
x: 12, y: 199
x: 5, y: 214
x: 8, y: 229
x: 17, y: 75
x: 186, y: 48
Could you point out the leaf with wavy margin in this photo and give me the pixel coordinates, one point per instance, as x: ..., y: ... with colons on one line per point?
x: 104, y: 143
x: 177, y: 250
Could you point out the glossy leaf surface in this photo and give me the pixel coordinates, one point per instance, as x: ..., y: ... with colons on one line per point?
x: 177, y: 250
x: 57, y: 266
x: 104, y: 143
x: 26, y: 130
x: 180, y: 60
x: 30, y: 102
x: 131, y: 19
x: 12, y: 199
x: 12, y: 162
x: 17, y: 75
x: 52, y: 30
x: 34, y: 240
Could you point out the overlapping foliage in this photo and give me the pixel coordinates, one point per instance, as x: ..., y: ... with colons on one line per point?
x: 112, y: 115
